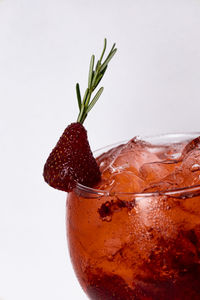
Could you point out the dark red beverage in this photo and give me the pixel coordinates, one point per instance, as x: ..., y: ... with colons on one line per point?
x: 136, y: 235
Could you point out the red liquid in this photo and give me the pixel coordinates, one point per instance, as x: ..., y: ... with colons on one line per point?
x: 141, y: 247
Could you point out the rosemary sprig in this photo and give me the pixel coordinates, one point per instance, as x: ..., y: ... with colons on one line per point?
x: 94, y: 78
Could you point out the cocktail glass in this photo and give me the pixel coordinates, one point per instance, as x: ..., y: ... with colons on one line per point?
x: 136, y: 246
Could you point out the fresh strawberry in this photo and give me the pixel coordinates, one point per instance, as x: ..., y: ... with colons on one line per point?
x: 71, y: 160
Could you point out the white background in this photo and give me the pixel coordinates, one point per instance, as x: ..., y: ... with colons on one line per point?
x: 151, y: 86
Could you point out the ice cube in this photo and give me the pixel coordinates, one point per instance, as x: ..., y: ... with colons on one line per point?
x: 186, y: 175
x: 106, y: 159
x: 133, y: 155
x: 156, y: 171
x: 194, y: 144
x: 127, y: 181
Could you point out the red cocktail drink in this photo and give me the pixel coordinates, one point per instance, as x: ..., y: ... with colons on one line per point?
x: 136, y: 235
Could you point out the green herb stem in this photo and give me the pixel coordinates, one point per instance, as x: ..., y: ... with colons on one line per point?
x: 94, y: 78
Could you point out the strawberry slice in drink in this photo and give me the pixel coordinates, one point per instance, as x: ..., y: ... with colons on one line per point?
x: 71, y: 160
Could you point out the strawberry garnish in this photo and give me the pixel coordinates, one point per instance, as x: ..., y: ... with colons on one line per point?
x: 71, y: 160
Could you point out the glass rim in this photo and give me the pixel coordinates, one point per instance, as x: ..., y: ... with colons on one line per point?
x: 171, y: 192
